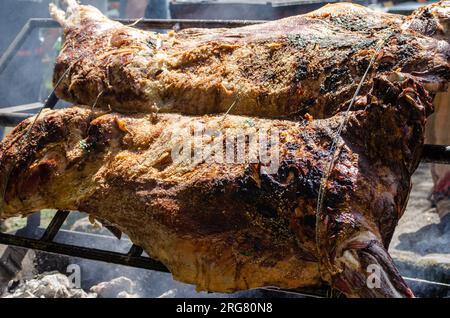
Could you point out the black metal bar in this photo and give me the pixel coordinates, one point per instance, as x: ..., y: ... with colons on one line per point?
x: 13, y: 119
x: 436, y: 154
x: 100, y: 241
x: 84, y: 252
x: 51, y: 101
x: 54, y: 226
x: 43, y: 23
x: 135, y: 250
x: 15, y: 46
x: 159, y: 23
x: 33, y: 221
x: 113, y: 230
x: 321, y: 292
x: 188, y: 23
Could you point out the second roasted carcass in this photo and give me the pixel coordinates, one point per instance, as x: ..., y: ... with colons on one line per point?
x: 308, y: 63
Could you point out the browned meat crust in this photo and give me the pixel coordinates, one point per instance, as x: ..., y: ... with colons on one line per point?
x: 309, y: 63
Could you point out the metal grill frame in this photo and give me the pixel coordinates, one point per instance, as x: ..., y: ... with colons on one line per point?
x: 134, y: 258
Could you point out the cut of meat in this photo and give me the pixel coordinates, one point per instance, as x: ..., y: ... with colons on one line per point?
x: 224, y: 225
x: 309, y: 63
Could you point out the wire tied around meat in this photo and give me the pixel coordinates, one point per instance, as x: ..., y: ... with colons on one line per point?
x: 324, y: 259
x: 236, y: 99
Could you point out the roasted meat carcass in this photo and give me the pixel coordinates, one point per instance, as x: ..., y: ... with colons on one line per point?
x: 308, y: 63
x: 226, y: 225
x: 221, y: 224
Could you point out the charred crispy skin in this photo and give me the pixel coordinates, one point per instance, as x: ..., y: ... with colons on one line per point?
x: 229, y: 226
x: 308, y: 63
